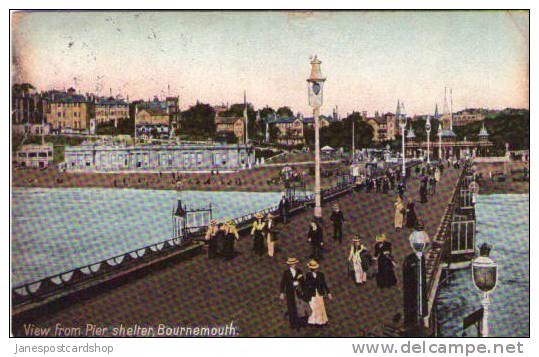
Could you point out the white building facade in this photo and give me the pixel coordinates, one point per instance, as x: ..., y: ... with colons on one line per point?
x: 35, y: 156
x: 158, y: 158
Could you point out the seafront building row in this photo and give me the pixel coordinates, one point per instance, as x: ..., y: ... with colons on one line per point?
x: 173, y: 157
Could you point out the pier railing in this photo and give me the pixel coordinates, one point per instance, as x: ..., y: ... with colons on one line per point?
x: 440, y: 247
x: 36, y: 293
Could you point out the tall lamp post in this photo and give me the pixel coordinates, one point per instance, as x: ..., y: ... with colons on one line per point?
x: 485, y: 276
x: 428, y: 129
x: 315, y: 89
x: 419, y: 240
x: 402, y: 124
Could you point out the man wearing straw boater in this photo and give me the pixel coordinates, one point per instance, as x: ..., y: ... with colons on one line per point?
x: 258, y: 234
x: 316, y: 289
x: 271, y: 234
x: 211, y: 238
x: 290, y: 290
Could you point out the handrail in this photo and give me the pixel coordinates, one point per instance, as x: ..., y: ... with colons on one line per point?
x: 440, y: 246
x: 32, y: 289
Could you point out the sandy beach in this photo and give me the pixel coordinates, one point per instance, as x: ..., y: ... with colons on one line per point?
x: 260, y: 179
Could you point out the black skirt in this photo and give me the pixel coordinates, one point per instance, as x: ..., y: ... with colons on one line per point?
x: 258, y: 243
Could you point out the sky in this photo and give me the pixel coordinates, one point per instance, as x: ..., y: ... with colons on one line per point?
x: 370, y: 59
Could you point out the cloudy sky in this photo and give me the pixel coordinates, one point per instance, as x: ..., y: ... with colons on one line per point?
x: 369, y: 58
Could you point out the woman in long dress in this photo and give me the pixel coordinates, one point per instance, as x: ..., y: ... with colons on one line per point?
x: 231, y: 236
x: 399, y: 213
x: 258, y: 234
x: 212, y: 237
x: 382, y: 253
x: 316, y: 288
x: 359, y: 274
x: 411, y: 216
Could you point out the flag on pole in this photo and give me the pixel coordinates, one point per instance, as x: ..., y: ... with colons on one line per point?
x: 246, y: 118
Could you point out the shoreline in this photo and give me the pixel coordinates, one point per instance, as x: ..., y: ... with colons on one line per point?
x: 264, y: 179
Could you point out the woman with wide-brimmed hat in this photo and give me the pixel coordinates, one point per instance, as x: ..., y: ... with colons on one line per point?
x: 386, y: 263
x: 316, y: 289
x: 212, y: 237
x: 355, y: 258
x: 258, y: 234
x: 400, y: 210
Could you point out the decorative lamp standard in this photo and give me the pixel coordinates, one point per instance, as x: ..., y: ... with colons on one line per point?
x: 428, y: 128
x: 485, y: 276
x: 419, y: 240
x: 402, y: 123
x: 315, y: 90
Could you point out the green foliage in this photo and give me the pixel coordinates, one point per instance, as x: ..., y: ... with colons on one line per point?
x: 126, y: 126
x: 339, y: 134
x: 285, y: 112
x: 227, y: 137
x: 20, y: 88
x: 512, y: 128
x: 199, y: 120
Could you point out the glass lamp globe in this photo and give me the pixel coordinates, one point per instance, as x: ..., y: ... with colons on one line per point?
x: 484, y: 270
x: 427, y: 125
x: 419, y: 239
x: 402, y: 121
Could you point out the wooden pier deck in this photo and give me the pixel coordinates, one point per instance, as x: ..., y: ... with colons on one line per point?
x: 198, y: 292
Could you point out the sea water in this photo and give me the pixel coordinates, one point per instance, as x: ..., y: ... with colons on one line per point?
x: 58, y: 229
x: 503, y: 222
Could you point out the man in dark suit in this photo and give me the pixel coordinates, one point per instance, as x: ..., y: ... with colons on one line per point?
x: 316, y: 238
x: 337, y: 218
x: 284, y: 208
x: 291, y: 281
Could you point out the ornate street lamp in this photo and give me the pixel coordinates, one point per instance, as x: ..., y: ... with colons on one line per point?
x: 428, y: 129
x: 485, y: 276
x: 419, y: 240
x: 315, y: 86
x: 401, y: 117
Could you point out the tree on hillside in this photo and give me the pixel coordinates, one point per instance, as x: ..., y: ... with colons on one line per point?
x: 512, y: 128
x: 199, y: 120
x: 22, y: 88
x: 339, y: 134
x: 285, y: 112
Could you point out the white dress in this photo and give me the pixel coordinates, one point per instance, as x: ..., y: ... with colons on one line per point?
x: 360, y: 276
x: 318, y: 315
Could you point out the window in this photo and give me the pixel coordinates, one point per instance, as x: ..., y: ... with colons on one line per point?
x: 42, y: 154
x: 32, y: 154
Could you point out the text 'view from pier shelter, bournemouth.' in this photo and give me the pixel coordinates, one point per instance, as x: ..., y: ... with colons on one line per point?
x: 268, y: 174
